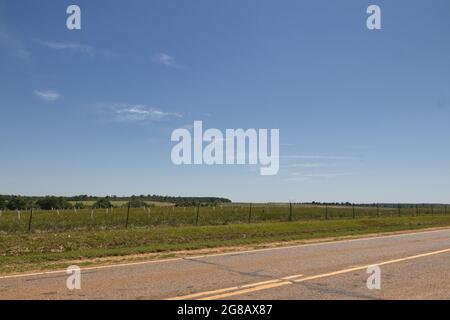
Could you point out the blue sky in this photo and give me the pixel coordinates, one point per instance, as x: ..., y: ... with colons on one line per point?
x: 363, y: 115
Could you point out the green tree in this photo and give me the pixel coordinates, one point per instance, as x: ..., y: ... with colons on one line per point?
x: 2, y: 203
x: 17, y: 203
x: 103, y: 203
x: 137, y: 203
x: 80, y: 205
x: 48, y: 203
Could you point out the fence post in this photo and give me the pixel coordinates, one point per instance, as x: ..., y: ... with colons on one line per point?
x: 432, y: 209
x: 417, y: 209
x: 290, y: 211
x: 378, y: 210
x: 399, y: 213
x: 112, y: 217
x: 29, y: 221
x: 196, y: 218
x: 326, y: 212
x: 250, y: 214
x: 128, y: 215
x: 354, y: 213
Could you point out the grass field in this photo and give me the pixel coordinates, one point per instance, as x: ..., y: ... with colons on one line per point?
x: 163, y: 216
x: 35, y: 251
x: 60, y: 237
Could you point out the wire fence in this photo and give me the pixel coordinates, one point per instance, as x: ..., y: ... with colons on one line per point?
x: 35, y: 220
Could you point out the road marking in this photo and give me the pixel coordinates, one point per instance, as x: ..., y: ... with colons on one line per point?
x: 224, y: 254
x: 222, y: 293
x: 213, y: 292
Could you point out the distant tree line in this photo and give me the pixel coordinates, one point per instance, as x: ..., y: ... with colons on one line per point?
x: 16, y: 202
x: 149, y: 197
x: 380, y: 205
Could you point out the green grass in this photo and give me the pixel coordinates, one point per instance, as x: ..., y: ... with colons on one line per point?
x: 23, y: 251
x: 159, y: 216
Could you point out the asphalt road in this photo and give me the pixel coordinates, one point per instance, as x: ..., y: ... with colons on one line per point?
x: 413, y: 266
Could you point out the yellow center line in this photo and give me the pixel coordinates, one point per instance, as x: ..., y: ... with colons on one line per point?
x: 241, y: 287
x: 238, y: 290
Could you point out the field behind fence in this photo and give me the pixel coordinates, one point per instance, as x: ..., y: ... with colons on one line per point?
x: 119, y: 218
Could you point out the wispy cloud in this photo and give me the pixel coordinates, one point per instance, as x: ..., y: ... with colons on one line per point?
x: 48, y: 95
x: 166, y: 60
x: 13, y: 44
x: 316, y: 157
x: 295, y: 179
x: 127, y: 112
x: 78, y: 48
x: 68, y: 46
x: 310, y: 165
x: 300, y: 176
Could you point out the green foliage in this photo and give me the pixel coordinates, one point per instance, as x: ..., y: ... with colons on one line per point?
x: 137, y: 203
x: 180, y: 201
x: 49, y: 203
x: 163, y: 216
x: 193, y: 203
x: 80, y: 205
x: 17, y: 203
x: 103, y: 203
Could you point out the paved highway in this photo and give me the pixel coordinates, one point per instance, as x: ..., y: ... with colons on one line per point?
x: 413, y: 266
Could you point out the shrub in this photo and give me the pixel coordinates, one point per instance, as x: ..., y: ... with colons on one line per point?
x: 137, y: 203
x: 49, y: 203
x: 103, y: 203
